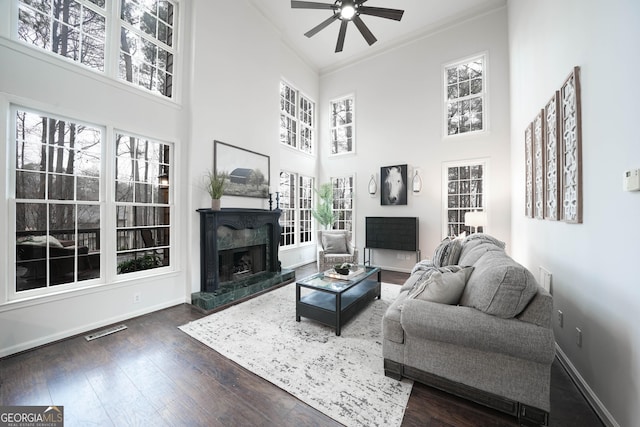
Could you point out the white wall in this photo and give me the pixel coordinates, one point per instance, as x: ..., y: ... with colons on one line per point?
x: 399, y: 115
x: 36, y: 80
x: 238, y: 62
x: 594, y: 265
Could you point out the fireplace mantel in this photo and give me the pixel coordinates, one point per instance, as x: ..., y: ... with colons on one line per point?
x: 238, y: 219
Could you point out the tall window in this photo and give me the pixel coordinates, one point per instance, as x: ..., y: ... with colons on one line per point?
x: 77, y: 30
x: 142, y: 203
x: 296, y: 202
x: 342, y: 126
x: 57, y: 210
x: 146, y: 44
x: 465, y: 192
x: 343, y: 202
x: 465, y: 95
x: 297, y: 119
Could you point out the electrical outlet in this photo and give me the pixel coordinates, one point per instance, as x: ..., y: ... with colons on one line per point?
x: 545, y: 279
x: 560, y: 318
x: 578, y: 337
x: 136, y: 298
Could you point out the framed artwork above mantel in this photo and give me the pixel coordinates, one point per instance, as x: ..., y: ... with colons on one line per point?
x: 246, y: 172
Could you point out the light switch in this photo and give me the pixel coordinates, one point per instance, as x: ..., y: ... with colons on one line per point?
x: 631, y: 180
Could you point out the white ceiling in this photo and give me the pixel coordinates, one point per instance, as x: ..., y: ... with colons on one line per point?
x: 420, y: 18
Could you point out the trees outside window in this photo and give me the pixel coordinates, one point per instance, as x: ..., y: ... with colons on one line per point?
x: 57, y: 201
x: 297, y: 119
x: 342, y: 126
x: 465, y: 95
x: 465, y: 192
x: 78, y: 31
x: 296, y: 202
x: 343, y: 202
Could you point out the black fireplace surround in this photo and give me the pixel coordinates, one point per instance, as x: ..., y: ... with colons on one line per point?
x: 211, y: 246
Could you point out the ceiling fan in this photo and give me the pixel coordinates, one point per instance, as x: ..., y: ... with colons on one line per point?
x: 346, y: 11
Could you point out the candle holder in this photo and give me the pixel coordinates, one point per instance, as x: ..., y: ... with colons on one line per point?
x: 270, y: 202
x: 277, y: 200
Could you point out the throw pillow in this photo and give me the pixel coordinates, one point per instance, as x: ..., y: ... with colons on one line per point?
x: 455, y: 248
x: 441, y: 255
x: 334, y: 243
x: 443, y: 285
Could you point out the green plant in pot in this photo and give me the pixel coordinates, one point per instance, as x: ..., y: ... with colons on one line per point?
x: 324, y: 212
x: 214, y: 184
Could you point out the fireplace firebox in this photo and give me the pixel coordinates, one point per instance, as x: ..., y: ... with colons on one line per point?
x: 236, y: 244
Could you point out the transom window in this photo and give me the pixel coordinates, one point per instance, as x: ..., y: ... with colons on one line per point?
x: 77, y: 30
x: 297, y: 119
x: 342, y: 126
x: 465, y: 90
x: 296, y: 203
x: 343, y: 202
x: 465, y: 192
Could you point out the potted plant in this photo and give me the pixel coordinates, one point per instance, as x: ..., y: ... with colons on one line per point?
x: 324, y: 212
x: 214, y: 184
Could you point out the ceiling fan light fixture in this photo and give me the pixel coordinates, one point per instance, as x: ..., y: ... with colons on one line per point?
x: 347, y: 12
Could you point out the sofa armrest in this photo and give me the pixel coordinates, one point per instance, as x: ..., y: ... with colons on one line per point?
x: 468, y: 327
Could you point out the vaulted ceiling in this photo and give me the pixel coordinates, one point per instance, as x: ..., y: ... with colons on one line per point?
x: 421, y: 17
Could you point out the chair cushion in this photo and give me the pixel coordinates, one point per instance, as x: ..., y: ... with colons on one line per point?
x: 334, y: 243
x: 444, y: 285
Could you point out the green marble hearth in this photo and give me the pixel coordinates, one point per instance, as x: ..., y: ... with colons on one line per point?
x: 238, y: 289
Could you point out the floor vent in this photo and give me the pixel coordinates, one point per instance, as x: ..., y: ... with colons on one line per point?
x: 105, y: 332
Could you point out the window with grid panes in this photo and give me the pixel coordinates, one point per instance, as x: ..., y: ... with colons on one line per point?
x: 465, y: 93
x: 465, y: 193
x: 297, y: 119
x: 296, y: 203
x: 58, y: 219
x: 342, y: 126
x: 343, y: 202
x: 142, y: 203
x: 287, y: 189
x: 77, y: 30
x: 305, y: 205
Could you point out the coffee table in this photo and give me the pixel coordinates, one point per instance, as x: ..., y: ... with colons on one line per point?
x: 334, y: 302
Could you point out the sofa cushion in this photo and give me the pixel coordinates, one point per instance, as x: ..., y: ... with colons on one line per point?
x: 499, y: 286
x: 444, y: 285
x: 477, y: 245
x: 334, y: 243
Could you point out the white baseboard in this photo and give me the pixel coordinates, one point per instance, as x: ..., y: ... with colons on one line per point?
x: 597, y: 405
x: 24, y: 346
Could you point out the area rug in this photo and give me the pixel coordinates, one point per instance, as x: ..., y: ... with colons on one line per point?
x: 341, y: 376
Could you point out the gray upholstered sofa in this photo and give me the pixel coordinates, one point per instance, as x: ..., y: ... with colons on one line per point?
x: 495, y: 346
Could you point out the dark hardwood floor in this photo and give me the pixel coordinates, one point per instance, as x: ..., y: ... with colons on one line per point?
x: 153, y: 374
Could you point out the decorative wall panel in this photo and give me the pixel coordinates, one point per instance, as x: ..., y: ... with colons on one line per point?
x: 552, y: 160
x: 528, y: 153
x: 571, y: 178
x: 538, y: 166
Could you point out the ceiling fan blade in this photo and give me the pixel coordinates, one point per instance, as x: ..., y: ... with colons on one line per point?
x: 364, y: 30
x: 395, y: 14
x: 341, y: 36
x: 322, y: 25
x: 311, y: 5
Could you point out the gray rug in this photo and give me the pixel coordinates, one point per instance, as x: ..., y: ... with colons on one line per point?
x: 343, y: 377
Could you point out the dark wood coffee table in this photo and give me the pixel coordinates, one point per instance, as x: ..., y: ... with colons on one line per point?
x: 334, y: 302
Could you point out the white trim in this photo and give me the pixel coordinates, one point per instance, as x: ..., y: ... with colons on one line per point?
x: 351, y: 96
x: 593, y: 400
x: 485, y: 96
x: 484, y: 161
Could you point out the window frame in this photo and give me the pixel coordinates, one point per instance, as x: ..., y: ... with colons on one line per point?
x: 483, y: 95
x: 108, y: 213
x: 484, y: 162
x: 299, y: 120
x: 300, y: 214
x: 333, y: 142
x: 111, y: 71
x: 343, y: 224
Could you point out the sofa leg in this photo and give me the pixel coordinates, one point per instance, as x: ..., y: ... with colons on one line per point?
x: 529, y: 416
x: 393, y: 369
